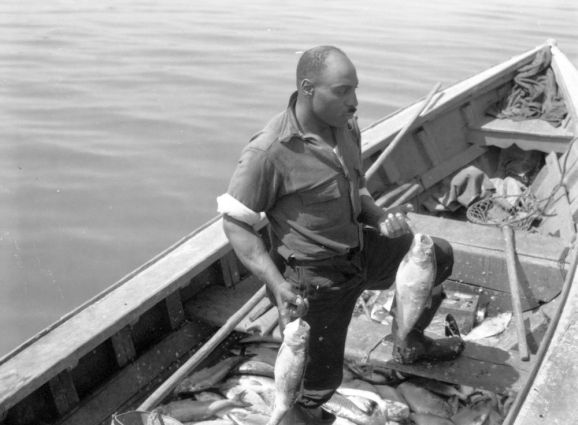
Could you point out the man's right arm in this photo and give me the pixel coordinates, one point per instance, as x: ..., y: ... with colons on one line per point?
x: 252, y: 252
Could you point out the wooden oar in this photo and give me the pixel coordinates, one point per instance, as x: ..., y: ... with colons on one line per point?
x: 167, y: 386
x: 514, y: 282
x: 379, y: 161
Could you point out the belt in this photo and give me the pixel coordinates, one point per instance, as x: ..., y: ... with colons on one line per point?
x: 348, y: 256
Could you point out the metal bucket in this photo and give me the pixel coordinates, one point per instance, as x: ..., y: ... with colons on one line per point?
x: 143, y: 418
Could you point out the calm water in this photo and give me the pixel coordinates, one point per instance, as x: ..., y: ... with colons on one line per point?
x: 121, y: 121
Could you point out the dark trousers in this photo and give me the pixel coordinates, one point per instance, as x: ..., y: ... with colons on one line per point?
x: 333, y: 287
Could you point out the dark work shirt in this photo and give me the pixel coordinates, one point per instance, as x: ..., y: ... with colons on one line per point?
x: 308, y: 190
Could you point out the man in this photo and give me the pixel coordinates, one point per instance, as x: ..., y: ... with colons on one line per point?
x: 329, y: 240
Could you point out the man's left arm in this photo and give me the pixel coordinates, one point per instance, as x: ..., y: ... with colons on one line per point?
x: 391, y: 222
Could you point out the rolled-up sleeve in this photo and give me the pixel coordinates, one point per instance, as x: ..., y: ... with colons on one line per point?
x: 255, y: 181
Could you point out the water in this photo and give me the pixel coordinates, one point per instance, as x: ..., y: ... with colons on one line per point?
x: 121, y: 121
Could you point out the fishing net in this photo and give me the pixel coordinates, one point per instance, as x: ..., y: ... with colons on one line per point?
x: 517, y: 211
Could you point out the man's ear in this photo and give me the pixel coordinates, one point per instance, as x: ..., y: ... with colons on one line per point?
x: 307, y: 87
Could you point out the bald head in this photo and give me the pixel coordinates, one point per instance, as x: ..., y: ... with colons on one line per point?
x: 314, y: 61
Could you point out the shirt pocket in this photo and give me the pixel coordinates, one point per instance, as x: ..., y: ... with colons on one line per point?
x: 326, y: 192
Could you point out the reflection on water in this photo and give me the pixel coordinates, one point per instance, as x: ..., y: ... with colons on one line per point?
x: 121, y: 121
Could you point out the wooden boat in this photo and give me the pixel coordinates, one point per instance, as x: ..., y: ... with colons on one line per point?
x: 111, y: 353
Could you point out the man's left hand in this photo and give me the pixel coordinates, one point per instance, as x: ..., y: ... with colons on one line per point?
x: 394, y: 222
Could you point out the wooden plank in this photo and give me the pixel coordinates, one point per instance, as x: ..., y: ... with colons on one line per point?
x: 124, y: 388
x: 558, y: 220
x: 375, y: 136
x: 426, y: 138
x: 551, y: 399
x: 175, y: 310
x: 479, y: 366
x: 63, y: 392
x: 525, y: 141
x: 535, y: 128
x: 479, y: 257
x: 123, y: 346
x: 230, y: 269
x: 451, y: 165
x: 567, y: 79
x: 216, y: 303
x: 61, y: 347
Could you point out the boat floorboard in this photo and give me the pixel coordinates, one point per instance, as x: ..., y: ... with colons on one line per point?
x: 494, y: 368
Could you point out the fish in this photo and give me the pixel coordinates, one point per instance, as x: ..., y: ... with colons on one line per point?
x: 489, y: 327
x: 252, y: 398
x: 256, y: 367
x: 208, y: 377
x: 187, y: 410
x: 423, y: 401
x: 210, y: 422
x: 249, y: 418
x: 386, y: 409
x: 263, y: 386
x: 290, y: 368
x: 343, y: 407
x: 428, y: 419
x: 414, y: 282
x: 374, y: 375
x: 387, y: 392
x: 440, y: 388
x: 472, y: 415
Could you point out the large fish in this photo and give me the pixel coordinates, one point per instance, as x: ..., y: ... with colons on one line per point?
x: 414, y: 282
x: 208, y: 377
x: 194, y: 410
x: 290, y: 368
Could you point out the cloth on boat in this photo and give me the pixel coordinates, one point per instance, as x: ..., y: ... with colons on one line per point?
x: 458, y: 190
x: 332, y: 287
x: 508, y: 174
x: 534, y: 95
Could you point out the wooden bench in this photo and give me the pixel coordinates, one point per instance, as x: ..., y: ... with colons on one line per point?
x: 531, y: 134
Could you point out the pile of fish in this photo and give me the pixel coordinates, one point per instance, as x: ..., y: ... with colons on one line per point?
x: 241, y: 389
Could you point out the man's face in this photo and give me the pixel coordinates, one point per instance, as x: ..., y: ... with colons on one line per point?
x: 334, y: 100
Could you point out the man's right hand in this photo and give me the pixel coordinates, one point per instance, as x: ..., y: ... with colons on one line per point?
x: 290, y: 304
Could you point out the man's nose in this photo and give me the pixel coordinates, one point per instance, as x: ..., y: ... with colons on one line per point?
x: 352, y: 101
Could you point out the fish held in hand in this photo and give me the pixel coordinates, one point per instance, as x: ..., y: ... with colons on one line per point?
x: 290, y: 368
x: 414, y: 282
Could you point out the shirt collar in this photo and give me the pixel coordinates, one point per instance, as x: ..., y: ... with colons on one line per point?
x: 290, y: 127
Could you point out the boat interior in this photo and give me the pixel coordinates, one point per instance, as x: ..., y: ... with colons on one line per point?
x: 110, y: 353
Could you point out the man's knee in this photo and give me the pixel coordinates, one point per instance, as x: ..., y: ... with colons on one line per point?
x: 444, y: 258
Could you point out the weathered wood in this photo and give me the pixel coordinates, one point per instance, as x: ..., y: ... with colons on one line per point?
x: 123, y: 346
x: 451, y: 98
x: 451, y: 165
x: 151, y: 367
x: 567, y: 80
x: 399, y: 136
x: 203, y: 352
x: 63, y: 392
x: 489, y: 368
x: 175, y: 310
x: 479, y: 257
x: 218, y: 302
x: 230, y: 269
x: 514, y: 281
x: 553, y: 201
x: 64, y: 345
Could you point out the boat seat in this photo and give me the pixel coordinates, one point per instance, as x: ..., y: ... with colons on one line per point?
x: 533, y: 134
